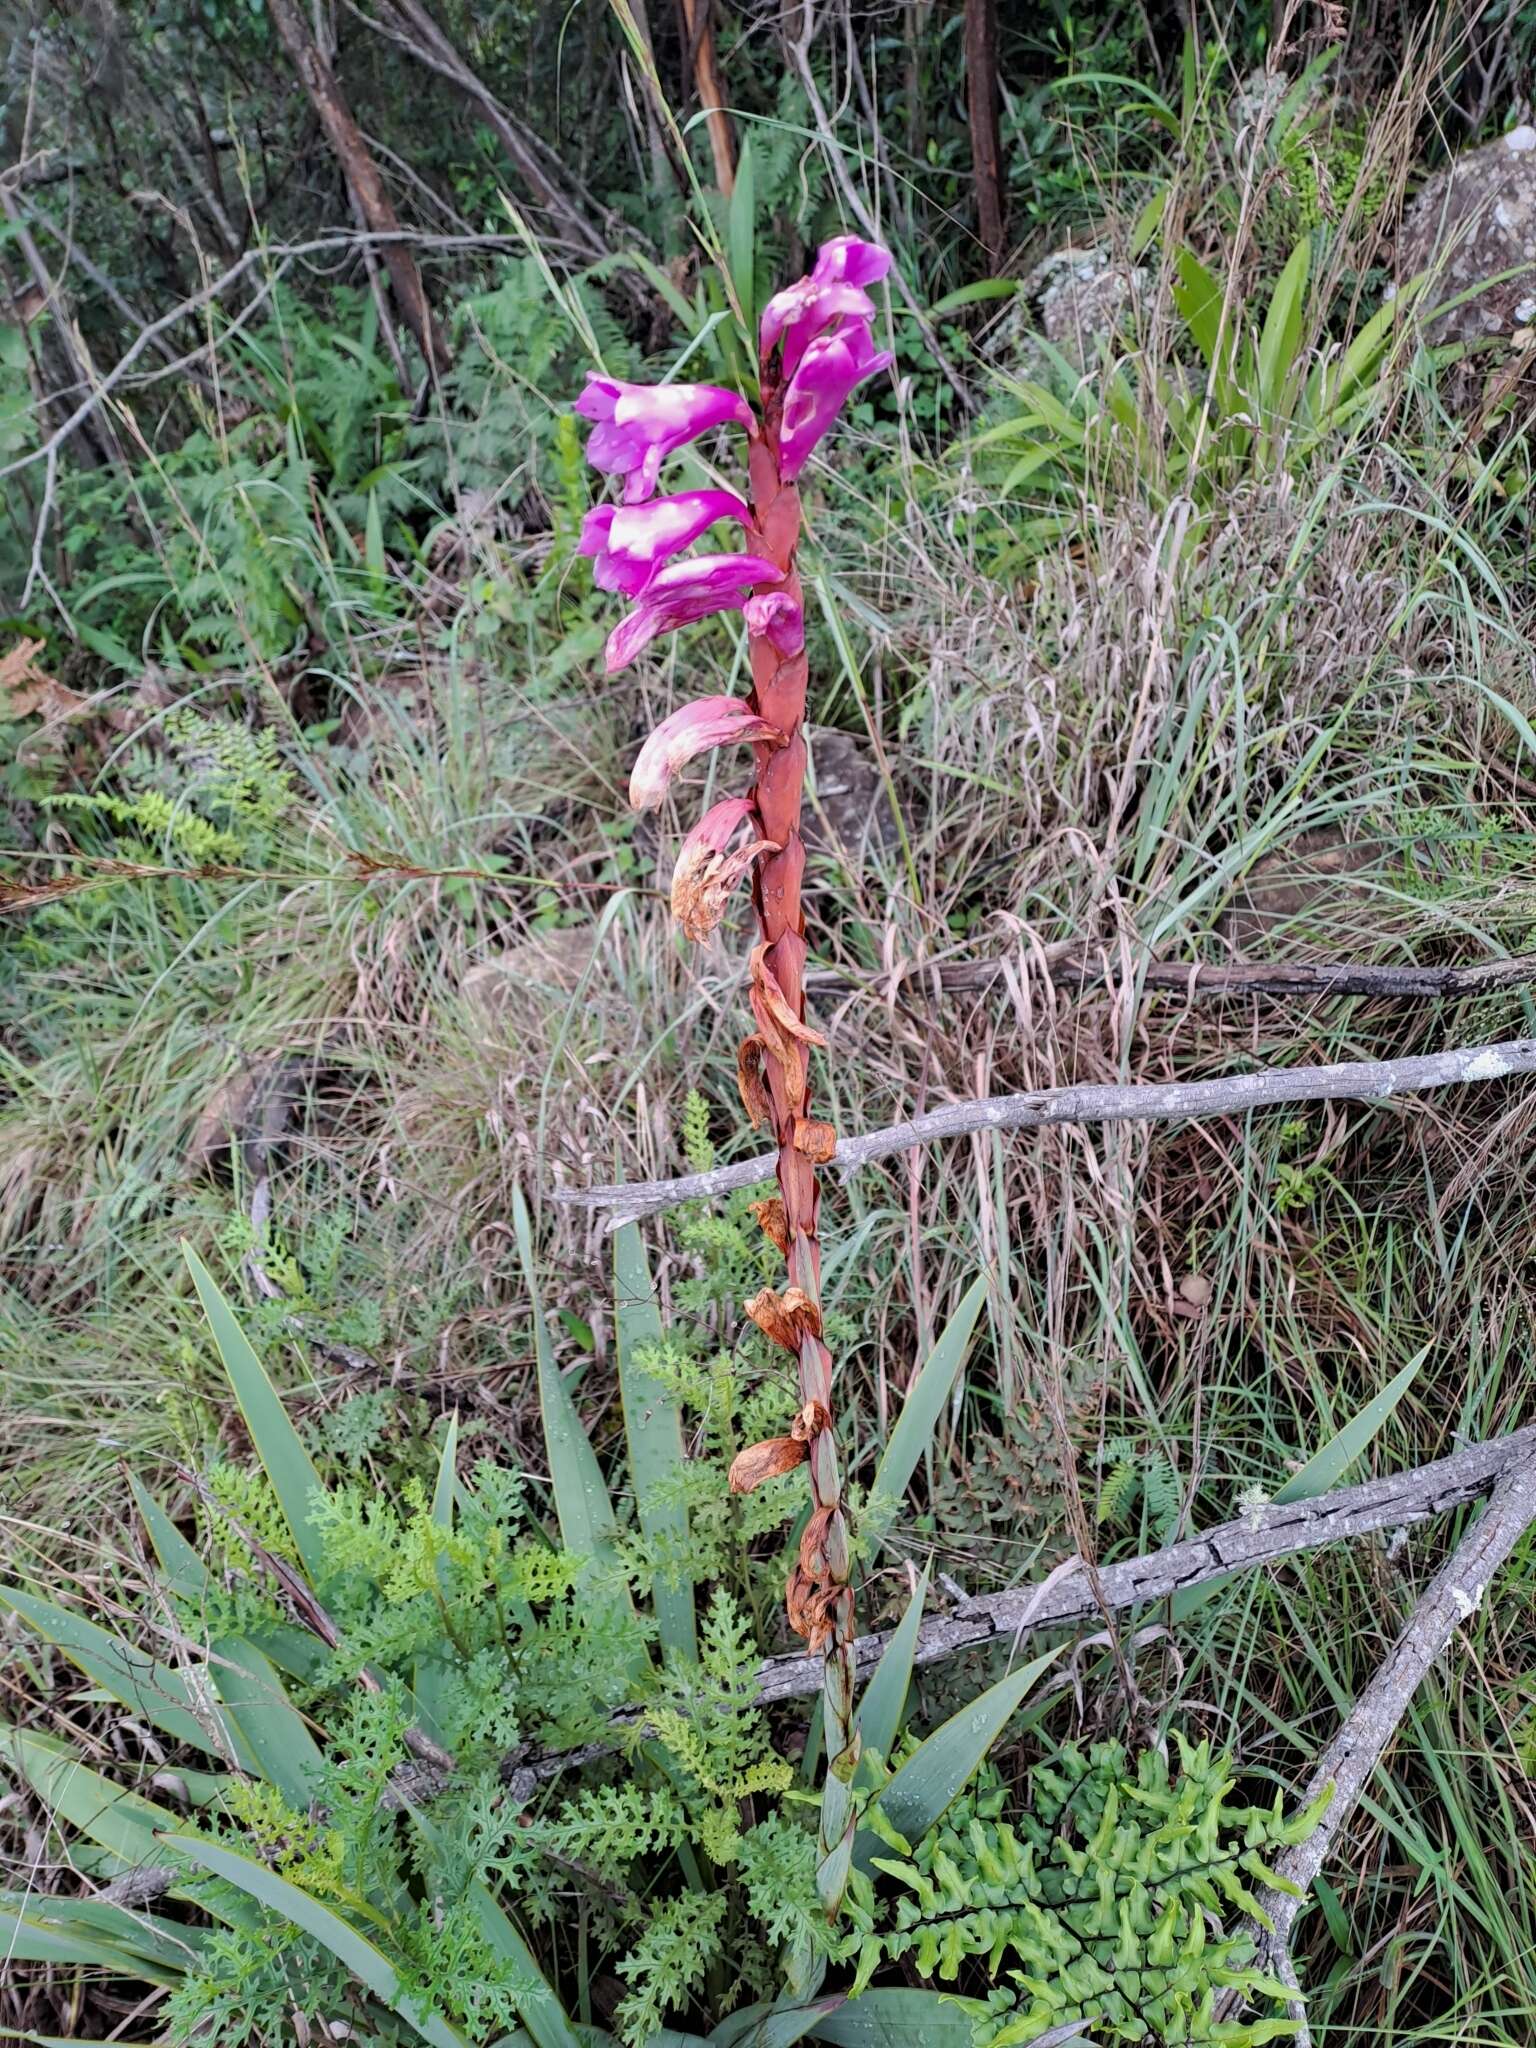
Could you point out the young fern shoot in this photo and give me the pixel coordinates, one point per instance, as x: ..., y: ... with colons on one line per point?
x: 816, y: 347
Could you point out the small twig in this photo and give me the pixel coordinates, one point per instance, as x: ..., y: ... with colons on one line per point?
x: 1346, y: 1080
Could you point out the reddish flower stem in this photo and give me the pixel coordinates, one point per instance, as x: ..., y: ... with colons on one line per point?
x: 821, y: 1602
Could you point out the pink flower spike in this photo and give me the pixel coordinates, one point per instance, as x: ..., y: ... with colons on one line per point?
x: 695, y: 729
x: 832, y: 366
x: 682, y: 592
x: 632, y: 542
x: 636, y: 426
x: 707, y: 871
x: 775, y: 616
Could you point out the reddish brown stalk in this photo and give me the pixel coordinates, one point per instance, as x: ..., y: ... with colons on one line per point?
x: 820, y: 1597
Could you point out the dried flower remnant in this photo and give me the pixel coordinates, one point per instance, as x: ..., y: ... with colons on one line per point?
x: 768, y: 1460
x: 708, y: 870
x: 816, y: 346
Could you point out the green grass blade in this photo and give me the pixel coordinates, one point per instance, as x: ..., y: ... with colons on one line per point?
x: 919, y: 1418
x: 137, y: 1681
x: 879, y: 1717
x: 353, y: 1951
x: 286, y: 1462
x: 653, y: 1429
x: 928, y: 1782
x: 254, y: 1700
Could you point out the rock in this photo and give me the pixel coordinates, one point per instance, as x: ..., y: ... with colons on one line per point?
x: 1320, y: 879
x: 850, y: 796
x: 1084, y: 295
x: 549, y: 962
x: 1471, y: 222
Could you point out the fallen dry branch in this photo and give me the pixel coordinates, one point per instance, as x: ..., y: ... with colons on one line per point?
x: 1070, y: 971
x: 1453, y: 1597
x: 1266, y: 1535
x: 1231, y: 1094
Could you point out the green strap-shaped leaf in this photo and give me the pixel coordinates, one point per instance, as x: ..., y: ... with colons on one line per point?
x: 123, y: 1822
x: 928, y: 1782
x: 919, y: 1417
x: 134, y: 1679
x: 352, y: 1950
x: 740, y: 236
x: 1326, y: 1467
x: 653, y: 1428
x: 879, y: 1717
x: 582, y: 1505
x: 182, y: 1571
x: 284, y: 1459
x: 767, y: 2026
x: 900, y: 2017
x: 431, y: 1681
x: 1282, y: 331
x: 82, y: 1934
x: 272, y: 1727
x: 1322, y: 1471
x: 447, y: 1475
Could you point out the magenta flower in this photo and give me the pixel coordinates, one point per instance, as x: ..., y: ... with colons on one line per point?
x: 774, y: 616
x: 830, y: 369
x: 678, y: 595
x: 847, y: 260
x: 707, y: 722
x: 631, y: 542
x: 707, y: 871
x: 830, y: 295
x: 638, y: 425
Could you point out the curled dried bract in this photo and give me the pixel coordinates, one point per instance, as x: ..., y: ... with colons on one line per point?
x: 816, y: 1140
x: 810, y: 1422
x: 750, y: 1055
x: 811, y: 1608
x: 785, y: 1318
x: 707, y: 870
x: 767, y: 1460
x: 770, y: 1215
x: 813, y: 1546
x: 774, y: 1011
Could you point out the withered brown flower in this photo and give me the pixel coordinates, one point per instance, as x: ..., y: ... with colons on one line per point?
x: 767, y: 1460
x: 785, y: 1318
